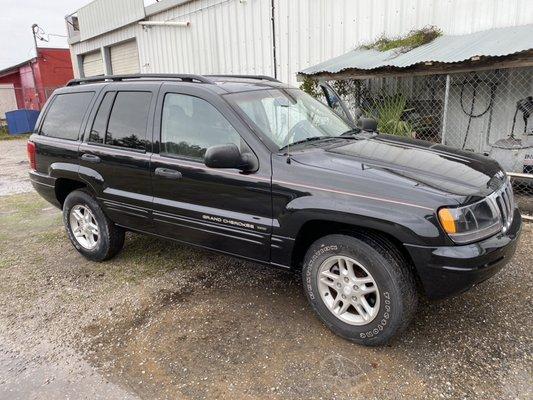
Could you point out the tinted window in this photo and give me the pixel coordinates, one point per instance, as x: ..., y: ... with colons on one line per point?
x: 190, y: 125
x: 64, y: 116
x: 97, y: 133
x: 128, y: 120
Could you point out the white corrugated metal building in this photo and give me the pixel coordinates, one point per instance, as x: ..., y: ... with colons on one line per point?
x: 271, y: 37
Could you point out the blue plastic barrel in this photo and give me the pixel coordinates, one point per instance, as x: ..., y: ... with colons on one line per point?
x: 21, y: 121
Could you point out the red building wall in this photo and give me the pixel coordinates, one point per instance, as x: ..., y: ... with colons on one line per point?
x: 54, y: 69
x: 35, y: 80
x: 27, y: 87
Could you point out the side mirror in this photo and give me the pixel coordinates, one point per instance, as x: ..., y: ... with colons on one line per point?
x: 367, y: 124
x: 229, y: 156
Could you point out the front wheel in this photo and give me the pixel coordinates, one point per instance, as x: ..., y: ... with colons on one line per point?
x: 93, y: 234
x: 360, y: 286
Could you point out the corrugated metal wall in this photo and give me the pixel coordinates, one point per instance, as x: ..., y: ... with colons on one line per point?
x: 102, y: 16
x: 225, y: 36
x: 235, y: 36
x: 312, y: 31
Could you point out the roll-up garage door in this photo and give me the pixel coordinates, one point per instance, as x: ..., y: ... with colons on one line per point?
x: 125, y: 58
x: 93, y: 64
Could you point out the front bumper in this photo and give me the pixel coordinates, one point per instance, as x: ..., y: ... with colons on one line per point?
x: 446, y: 271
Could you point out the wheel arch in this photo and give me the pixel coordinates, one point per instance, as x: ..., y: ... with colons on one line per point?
x: 313, y: 230
x: 65, y: 186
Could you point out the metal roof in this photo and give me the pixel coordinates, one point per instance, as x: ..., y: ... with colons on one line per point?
x: 445, y: 49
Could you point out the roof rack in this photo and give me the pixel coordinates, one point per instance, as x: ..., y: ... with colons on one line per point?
x: 258, y: 77
x: 118, y: 78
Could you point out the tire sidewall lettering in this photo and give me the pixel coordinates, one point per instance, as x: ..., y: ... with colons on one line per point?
x: 379, y: 324
x: 310, y: 264
x: 385, y: 317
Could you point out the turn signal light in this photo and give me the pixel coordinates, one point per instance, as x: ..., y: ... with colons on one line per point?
x: 447, y: 220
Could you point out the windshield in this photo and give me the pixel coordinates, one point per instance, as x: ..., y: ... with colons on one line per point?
x: 288, y: 116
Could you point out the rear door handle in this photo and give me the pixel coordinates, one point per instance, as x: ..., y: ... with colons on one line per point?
x: 168, y: 173
x: 90, y: 158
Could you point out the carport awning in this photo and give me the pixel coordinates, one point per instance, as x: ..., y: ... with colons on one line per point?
x: 445, y: 49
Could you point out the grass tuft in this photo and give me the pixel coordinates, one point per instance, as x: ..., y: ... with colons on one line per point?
x: 4, y: 134
x: 403, y: 44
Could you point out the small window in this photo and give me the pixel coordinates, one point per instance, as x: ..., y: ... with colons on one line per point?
x: 65, y: 114
x: 98, y: 130
x: 129, y: 119
x: 190, y: 125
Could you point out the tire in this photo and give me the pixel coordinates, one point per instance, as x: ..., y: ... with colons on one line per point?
x: 392, y: 296
x: 81, y: 205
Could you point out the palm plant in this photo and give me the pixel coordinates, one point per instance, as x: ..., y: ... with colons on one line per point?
x: 390, y: 112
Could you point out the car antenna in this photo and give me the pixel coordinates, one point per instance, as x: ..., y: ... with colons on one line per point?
x: 288, y: 151
x: 289, y: 74
x: 288, y: 133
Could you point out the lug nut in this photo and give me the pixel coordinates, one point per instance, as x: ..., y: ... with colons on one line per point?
x: 346, y: 280
x: 354, y: 298
x: 339, y: 285
x: 355, y: 287
x: 343, y: 296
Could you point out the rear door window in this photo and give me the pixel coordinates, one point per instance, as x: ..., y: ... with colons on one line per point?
x: 128, y: 120
x: 98, y: 130
x: 65, y: 114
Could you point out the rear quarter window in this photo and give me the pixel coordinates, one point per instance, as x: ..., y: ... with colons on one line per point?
x: 65, y: 114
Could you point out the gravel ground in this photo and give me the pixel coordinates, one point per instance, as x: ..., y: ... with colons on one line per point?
x: 13, y: 167
x: 165, y: 321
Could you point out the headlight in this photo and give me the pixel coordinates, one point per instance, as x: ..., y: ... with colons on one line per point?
x: 471, y: 223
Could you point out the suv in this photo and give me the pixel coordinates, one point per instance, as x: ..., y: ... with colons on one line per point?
x: 253, y: 168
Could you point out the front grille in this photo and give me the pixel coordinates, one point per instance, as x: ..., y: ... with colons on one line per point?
x: 503, y: 200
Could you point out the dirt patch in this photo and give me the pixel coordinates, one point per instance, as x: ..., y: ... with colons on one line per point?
x: 165, y: 321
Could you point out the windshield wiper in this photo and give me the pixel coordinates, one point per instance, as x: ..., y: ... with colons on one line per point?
x: 358, y: 133
x: 309, y: 139
x: 352, y: 132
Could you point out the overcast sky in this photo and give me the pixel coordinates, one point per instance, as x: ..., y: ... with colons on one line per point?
x: 17, y: 17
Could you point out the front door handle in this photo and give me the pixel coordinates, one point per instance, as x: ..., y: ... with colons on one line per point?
x: 90, y: 158
x: 168, y: 173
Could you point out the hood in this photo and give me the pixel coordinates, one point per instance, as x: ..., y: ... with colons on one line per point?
x: 429, y: 165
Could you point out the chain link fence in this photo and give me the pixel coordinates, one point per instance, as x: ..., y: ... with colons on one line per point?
x: 486, y: 112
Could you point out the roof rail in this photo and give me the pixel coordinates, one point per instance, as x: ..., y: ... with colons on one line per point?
x: 258, y: 77
x: 118, y: 78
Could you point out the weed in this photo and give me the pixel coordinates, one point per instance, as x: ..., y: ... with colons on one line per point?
x: 390, y: 112
x: 4, y: 134
x: 310, y: 86
x: 403, y: 44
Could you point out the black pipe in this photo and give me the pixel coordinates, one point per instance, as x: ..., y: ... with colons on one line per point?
x: 274, y: 40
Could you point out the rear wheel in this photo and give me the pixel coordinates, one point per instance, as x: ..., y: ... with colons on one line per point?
x: 361, y: 287
x: 90, y: 231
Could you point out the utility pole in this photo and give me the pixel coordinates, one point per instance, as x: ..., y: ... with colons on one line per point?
x: 34, y: 30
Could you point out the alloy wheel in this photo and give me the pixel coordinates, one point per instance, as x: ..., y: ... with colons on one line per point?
x: 348, y: 290
x: 84, y: 226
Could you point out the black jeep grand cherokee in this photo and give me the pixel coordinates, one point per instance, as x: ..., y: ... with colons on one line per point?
x: 251, y: 167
